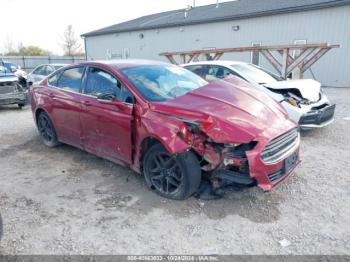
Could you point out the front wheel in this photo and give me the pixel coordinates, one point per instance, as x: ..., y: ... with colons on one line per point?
x: 172, y: 176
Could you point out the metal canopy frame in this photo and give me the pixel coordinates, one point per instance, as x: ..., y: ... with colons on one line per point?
x: 278, y: 56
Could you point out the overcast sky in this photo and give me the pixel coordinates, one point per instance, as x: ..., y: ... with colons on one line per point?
x: 42, y: 22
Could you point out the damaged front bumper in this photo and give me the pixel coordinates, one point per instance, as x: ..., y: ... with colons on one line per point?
x: 14, y: 98
x: 318, y: 117
x: 255, y: 169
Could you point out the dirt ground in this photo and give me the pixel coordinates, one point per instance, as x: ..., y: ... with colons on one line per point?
x: 65, y: 201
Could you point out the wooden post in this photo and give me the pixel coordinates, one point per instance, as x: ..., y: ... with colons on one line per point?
x: 309, y: 54
x: 285, y: 62
x: 272, y: 59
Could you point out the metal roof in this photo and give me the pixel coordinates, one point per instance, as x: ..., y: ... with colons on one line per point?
x: 232, y: 10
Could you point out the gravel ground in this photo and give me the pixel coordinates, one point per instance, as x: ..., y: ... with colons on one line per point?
x: 65, y: 201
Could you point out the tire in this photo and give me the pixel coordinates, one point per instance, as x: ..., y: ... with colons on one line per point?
x: 20, y: 106
x: 46, y: 130
x: 1, y: 227
x: 171, y: 176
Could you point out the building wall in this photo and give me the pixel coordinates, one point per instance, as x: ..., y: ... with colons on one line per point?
x: 326, y: 25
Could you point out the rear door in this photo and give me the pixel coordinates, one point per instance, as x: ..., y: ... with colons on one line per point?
x: 106, y: 121
x: 66, y: 107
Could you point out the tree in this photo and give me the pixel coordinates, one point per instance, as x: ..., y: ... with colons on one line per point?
x: 70, y: 43
x: 28, y: 51
x: 8, y: 45
x: 33, y: 51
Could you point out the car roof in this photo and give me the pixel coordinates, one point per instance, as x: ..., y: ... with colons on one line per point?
x: 217, y: 62
x: 55, y: 64
x: 124, y: 63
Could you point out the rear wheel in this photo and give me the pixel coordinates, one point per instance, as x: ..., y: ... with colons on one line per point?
x: 47, y: 130
x: 171, y: 176
x: 20, y: 106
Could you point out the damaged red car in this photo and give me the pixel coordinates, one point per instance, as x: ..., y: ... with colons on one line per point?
x: 168, y: 124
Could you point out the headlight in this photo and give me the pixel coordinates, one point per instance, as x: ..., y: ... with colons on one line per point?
x: 292, y: 101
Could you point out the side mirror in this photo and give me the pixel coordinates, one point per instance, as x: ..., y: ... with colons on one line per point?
x: 130, y: 100
x: 106, y: 97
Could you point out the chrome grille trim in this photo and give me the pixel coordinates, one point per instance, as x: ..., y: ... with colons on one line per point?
x: 280, y: 147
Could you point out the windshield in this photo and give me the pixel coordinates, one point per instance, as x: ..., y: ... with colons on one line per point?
x: 58, y: 67
x: 162, y: 82
x: 255, y: 74
x: 4, y: 70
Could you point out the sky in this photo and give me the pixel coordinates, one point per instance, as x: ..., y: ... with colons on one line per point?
x: 42, y: 22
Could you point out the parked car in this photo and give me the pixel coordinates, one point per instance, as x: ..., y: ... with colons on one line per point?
x: 17, y: 71
x: 11, y: 92
x: 303, y: 99
x: 42, y: 71
x: 169, y: 124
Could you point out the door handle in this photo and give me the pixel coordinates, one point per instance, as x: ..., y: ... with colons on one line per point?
x: 87, y: 103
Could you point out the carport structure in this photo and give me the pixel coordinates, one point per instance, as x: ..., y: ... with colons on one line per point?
x: 279, y: 56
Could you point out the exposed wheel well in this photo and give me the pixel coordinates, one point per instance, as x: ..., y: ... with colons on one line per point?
x: 37, y: 113
x: 146, y: 144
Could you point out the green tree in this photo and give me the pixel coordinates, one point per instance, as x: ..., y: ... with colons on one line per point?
x: 30, y: 50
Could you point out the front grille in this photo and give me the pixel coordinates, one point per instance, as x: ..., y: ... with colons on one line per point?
x: 276, y: 176
x: 318, y: 117
x: 278, y: 148
x: 7, y: 88
x: 328, y: 114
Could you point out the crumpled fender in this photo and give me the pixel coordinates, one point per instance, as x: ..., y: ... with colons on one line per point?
x: 161, y: 127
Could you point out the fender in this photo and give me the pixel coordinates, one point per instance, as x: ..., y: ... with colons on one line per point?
x: 162, y: 128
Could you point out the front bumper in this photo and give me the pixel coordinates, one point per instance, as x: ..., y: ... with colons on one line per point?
x: 257, y: 172
x: 14, y: 98
x: 318, y: 118
x: 269, y: 176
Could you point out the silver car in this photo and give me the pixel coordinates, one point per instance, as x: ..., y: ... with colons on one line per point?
x: 42, y: 71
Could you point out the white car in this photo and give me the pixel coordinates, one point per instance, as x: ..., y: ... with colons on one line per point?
x: 42, y: 71
x: 303, y: 99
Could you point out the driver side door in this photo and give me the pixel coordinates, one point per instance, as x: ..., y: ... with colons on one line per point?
x: 106, y: 121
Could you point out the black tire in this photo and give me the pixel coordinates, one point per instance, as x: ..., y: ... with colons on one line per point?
x: 20, y: 106
x: 46, y: 130
x: 172, y: 176
x: 1, y: 227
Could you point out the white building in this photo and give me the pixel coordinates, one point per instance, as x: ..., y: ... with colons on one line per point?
x: 235, y: 24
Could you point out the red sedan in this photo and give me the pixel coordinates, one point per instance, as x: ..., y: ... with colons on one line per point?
x: 169, y: 125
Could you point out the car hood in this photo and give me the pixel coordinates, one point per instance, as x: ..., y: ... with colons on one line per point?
x: 309, y: 89
x: 8, y: 78
x: 229, y: 113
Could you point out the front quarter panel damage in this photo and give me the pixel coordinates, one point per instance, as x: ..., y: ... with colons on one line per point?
x: 162, y: 128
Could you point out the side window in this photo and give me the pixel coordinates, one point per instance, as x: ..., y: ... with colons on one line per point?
x: 100, y: 82
x: 49, y: 70
x: 52, y: 80
x: 198, y: 70
x: 40, y: 71
x: 71, y: 79
x: 127, y: 96
x: 217, y: 72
